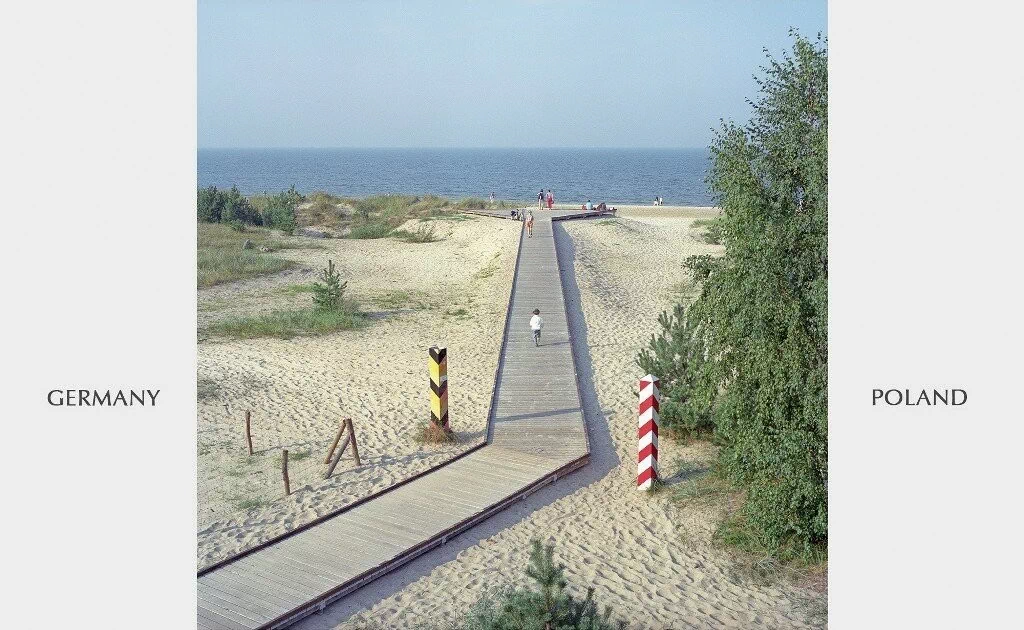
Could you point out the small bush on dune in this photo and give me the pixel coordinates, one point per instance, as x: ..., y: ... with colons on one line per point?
x: 422, y: 234
x: 546, y: 606
x: 329, y: 292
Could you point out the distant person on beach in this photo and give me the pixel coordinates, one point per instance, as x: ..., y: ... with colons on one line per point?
x: 536, y: 323
x: 551, y: 199
x: 602, y: 207
x: 529, y: 222
x: 491, y: 198
x: 589, y: 206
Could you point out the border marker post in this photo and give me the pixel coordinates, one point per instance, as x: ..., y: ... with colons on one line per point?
x: 647, y: 456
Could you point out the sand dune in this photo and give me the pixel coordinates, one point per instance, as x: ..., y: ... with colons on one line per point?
x: 452, y: 293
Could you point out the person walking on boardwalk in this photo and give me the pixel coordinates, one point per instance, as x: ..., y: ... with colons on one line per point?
x: 540, y: 199
x: 529, y: 223
x: 536, y: 323
x: 551, y: 199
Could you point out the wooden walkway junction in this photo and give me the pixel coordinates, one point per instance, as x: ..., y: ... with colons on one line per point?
x: 536, y: 433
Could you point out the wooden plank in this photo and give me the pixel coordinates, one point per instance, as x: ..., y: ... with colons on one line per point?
x: 224, y: 614
x: 228, y: 583
x: 219, y: 622
x: 270, y: 562
x: 316, y: 574
x: 258, y: 607
x: 283, y: 587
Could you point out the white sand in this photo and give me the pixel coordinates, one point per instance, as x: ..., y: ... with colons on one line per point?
x: 650, y: 560
x: 452, y: 293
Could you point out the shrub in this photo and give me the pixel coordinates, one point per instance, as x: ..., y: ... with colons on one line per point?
x: 209, y: 205
x: 760, y: 365
x: 675, y: 355
x: 371, y: 230
x: 423, y: 234
x: 231, y: 207
x: 548, y: 606
x: 713, y: 230
x: 330, y: 291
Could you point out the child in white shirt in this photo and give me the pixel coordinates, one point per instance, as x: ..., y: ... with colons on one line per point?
x: 536, y: 323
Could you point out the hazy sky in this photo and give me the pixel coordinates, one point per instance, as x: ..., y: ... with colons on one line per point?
x: 483, y: 74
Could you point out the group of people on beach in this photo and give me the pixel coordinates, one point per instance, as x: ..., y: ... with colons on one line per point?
x: 601, y: 207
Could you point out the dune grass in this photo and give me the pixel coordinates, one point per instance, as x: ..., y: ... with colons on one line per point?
x: 371, y: 229
x: 424, y: 233
x: 711, y: 230
x: 222, y: 259
x: 289, y: 323
x: 380, y: 216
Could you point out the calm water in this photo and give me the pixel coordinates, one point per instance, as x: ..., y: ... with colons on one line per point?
x: 575, y: 175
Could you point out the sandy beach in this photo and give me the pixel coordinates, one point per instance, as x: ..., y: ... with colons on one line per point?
x: 453, y: 292
x: 649, y: 559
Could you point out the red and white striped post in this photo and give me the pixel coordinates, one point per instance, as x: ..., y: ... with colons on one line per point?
x: 647, y: 466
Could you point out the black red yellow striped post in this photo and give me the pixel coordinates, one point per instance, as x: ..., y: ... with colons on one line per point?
x: 439, y: 387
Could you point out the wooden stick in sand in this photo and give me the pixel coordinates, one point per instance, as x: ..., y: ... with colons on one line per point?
x: 284, y: 471
x: 334, y: 444
x: 248, y: 429
x: 352, y: 434
x: 349, y: 439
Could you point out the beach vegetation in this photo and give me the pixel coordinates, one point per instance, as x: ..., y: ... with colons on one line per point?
x: 330, y: 313
x: 422, y: 234
x: 244, y: 504
x: 329, y: 290
x: 471, y: 203
x: 287, y: 324
x: 221, y: 256
x: 710, y: 230
x: 296, y: 289
x: 215, y: 205
x: 547, y: 604
x: 747, y: 360
x: 370, y: 230
x: 432, y: 433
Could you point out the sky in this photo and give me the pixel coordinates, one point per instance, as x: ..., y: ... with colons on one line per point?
x: 484, y: 74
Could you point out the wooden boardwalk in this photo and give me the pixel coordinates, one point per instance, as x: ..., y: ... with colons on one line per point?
x: 536, y: 433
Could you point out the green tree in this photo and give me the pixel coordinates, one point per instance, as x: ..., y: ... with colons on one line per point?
x: 761, y: 317
x: 329, y: 292
x: 209, y: 204
x: 548, y: 607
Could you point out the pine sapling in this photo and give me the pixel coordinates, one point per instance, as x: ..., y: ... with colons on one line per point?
x: 329, y: 291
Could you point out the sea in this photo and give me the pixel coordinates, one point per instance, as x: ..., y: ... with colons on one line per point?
x: 623, y: 176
